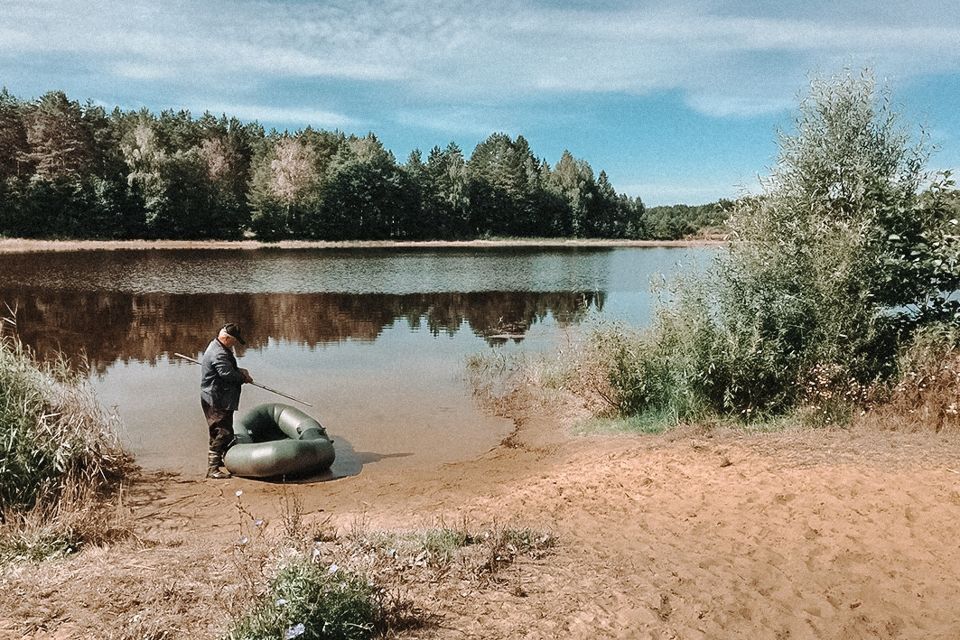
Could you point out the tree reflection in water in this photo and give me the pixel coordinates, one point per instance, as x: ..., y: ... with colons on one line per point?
x: 111, y: 326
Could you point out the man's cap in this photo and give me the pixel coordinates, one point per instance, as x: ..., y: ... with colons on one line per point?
x: 233, y: 331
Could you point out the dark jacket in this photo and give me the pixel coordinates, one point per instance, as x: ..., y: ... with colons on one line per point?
x: 220, y: 378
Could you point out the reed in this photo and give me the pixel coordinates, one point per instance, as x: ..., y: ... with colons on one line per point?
x: 60, y: 457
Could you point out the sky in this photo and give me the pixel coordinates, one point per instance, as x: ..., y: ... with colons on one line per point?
x: 679, y: 102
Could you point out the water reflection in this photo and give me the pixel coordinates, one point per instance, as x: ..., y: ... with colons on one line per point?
x: 396, y: 271
x: 376, y: 340
x: 115, y: 326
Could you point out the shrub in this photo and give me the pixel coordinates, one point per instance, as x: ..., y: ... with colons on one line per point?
x: 838, y: 261
x: 311, y: 602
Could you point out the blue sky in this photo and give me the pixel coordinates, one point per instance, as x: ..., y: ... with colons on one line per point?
x: 677, y: 101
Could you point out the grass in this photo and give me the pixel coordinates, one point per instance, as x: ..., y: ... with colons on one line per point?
x: 61, y: 461
x: 321, y: 583
x: 600, y: 373
x: 480, y: 552
x: 362, y: 582
x: 646, y: 423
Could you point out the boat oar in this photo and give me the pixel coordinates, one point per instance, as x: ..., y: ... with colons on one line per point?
x: 256, y: 384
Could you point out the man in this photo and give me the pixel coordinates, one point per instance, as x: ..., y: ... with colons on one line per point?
x: 220, y: 382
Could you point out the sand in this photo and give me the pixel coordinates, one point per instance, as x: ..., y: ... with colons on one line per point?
x: 22, y: 245
x: 697, y: 534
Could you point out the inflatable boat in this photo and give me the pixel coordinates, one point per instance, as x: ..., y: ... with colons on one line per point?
x: 278, y: 440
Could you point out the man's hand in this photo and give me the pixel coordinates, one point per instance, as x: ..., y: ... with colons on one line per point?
x: 246, y: 376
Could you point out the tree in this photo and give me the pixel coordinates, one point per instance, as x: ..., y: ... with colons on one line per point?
x: 365, y: 196
x: 601, y: 215
x: 73, y: 170
x: 289, y: 176
x: 574, y: 178
x: 829, y: 272
x: 76, y: 185
x: 13, y: 138
x: 14, y: 168
x: 174, y: 182
x: 60, y: 142
x: 841, y: 246
x: 445, y: 203
x: 285, y: 185
x: 501, y: 186
x: 227, y: 148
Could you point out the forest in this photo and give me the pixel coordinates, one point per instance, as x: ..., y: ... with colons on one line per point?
x: 72, y: 170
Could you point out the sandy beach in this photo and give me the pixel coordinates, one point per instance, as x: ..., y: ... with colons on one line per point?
x: 695, y: 534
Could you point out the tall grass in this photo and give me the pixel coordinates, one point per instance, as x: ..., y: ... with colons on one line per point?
x: 53, y: 433
x: 926, y: 391
x: 60, y: 456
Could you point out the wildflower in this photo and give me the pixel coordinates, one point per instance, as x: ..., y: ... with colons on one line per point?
x: 258, y: 522
x: 242, y: 541
x: 295, y: 631
x: 281, y: 602
x: 333, y: 568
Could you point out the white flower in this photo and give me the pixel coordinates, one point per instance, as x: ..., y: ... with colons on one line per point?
x: 294, y: 631
x: 258, y: 522
x: 239, y: 492
x: 333, y: 568
x: 281, y: 602
x: 242, y: 541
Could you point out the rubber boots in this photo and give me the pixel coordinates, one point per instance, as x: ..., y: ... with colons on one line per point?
x: 214, y: 461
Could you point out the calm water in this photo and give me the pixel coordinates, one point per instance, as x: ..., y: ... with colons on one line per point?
x: 375, y: 339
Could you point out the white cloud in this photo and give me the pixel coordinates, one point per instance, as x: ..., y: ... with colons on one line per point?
x: 457, y: 120
x: 316, y: 118
x: 140, y: 71
x: 725, y: 63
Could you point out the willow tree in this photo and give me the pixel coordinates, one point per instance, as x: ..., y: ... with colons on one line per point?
x: 836, y: 256
x: 846, y: 249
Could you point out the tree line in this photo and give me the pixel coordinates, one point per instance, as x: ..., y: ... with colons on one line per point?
x: 73, y: 170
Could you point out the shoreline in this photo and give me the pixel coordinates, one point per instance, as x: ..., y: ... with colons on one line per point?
x: 24, y: 245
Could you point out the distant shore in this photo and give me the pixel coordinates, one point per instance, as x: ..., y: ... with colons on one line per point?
x: 22, y: 245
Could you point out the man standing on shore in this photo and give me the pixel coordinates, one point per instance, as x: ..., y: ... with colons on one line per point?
x: 220, y: 382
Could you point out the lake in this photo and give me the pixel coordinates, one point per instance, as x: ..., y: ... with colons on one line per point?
x: 375, y: 339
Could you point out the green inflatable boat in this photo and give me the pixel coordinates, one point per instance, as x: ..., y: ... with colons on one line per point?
x: 278, y: 440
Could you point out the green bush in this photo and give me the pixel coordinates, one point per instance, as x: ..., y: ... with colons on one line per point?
x: 840, y: 259
x: 54, y: 436
x: 312, y: 602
